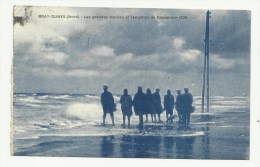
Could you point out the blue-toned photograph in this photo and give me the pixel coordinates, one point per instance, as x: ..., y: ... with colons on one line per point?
x: 131, y: 83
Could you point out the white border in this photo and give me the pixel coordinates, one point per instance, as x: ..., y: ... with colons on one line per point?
x: 6, y: 48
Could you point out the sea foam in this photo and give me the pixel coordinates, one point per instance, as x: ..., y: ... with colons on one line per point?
x: 84, y: 111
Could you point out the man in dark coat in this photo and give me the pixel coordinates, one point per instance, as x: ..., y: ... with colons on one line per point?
x: 187, y: 99
x: 150, y: 105
x: 168, y: 105
x: 179, y: 106
x: 126, y: 106
x: 139, y: 102
x: 158, y: 104
x: 107, y: 101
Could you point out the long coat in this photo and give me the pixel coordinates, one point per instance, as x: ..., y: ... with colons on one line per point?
x: 126, y: 104
x: 187, y: 100
x: 149, y: 104
x: 168, y: 103
x: 139, y: 102
x: 107, y: 101
x: 158, y: 103
x: 179, y: 103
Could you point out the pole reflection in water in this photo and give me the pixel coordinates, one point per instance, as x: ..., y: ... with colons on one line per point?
x: 107, y: 146
x: 205, y: 142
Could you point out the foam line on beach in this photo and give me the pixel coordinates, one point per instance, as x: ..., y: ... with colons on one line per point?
x: 194, y: 134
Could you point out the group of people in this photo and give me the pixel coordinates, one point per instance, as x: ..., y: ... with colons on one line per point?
x: 149, y: 104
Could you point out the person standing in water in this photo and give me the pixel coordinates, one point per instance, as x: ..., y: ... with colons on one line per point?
x: 169, y: 105
x: 126, y: 106
x: 158, y: 104
x: 179, y: 106
x: 139, y: 102
x: 108, y: 105
x: 150, y: 105
x: 187, y: 100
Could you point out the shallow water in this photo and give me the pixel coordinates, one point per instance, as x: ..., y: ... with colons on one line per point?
x: 69, y: 125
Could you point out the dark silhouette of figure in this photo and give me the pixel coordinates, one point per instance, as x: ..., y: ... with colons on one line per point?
x: 126, y: 106
x: 107, y: 101
x: 178, y: 106
x: 150, y: 105
x: 168, y: 104
x: 187, y: 100
x: 158, y: 104
x: 138, y: 102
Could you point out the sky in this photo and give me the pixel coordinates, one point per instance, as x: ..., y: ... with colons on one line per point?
x: 80, y: 55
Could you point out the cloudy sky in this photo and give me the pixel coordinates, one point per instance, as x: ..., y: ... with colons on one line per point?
x: 79, y: 55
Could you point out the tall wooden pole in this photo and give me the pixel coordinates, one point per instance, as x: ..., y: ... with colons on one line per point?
x: 207, y: 43
x: 203, y: 86
x: 206, y: 64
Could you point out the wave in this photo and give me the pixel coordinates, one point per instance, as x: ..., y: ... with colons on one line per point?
x: 19, y: 130
x: 92, y: 96
x: 84, y: 111
x: 26, y: 137
x: 58, y: 97
x: 33, y: 105
x: 116, y: 98
x: 30, y: 99
x: 79, y: 113
x: 42, y: 125
x: 43, y: 97
x: 20, y: 95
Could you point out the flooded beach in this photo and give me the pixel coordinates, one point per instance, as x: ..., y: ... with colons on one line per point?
x: 69, y: 126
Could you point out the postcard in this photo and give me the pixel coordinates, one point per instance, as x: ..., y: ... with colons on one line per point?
x: 131, y: 83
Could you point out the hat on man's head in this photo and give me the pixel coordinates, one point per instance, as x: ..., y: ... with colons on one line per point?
x: 157, y: 89
x: 148, y: 90
x: 140, y: 87
x: 105, y: 87
x: 186, y: 89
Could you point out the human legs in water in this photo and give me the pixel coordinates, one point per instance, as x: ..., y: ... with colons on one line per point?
x: 112, y: 118
x: 128, y: 118
x: 167, y: 116
x: 141, y: 121
x: 159, y: 118
x: 153, y: 117
x: 180, y: 115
